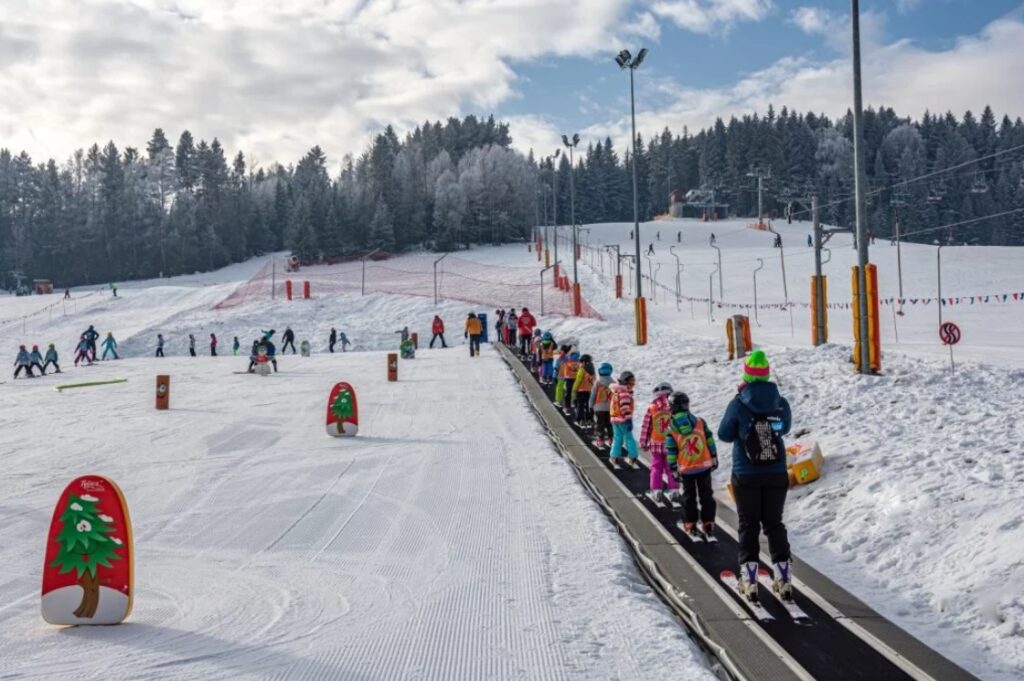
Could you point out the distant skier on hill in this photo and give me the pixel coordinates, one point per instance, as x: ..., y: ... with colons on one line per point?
x: 333, y: 339
x: 234, y: 347
x: 437, y: 331
x: 343, y: 339
x: 650, y: 248
x: 159, y: 345
x: 287, y: 339
x: 192, y: 345
x: 213, y: 345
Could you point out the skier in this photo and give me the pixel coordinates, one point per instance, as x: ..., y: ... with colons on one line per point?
x: 547, y: 358
x: 534, y: 358
x: 51, y: 358
x: 160, y: 345
x: 23, y: 361
x: 659, y: 235
x: 333, y: 339
x: 437, y: 329
x: 91, y: 335
x: 343, y: 339
x: 653, y: 433
x: 113, y: 289
x: 527, y: 323
x: 289, y: 339
x: 581, y: 389
x: 267, y: 335
x: 810, y: 241
x: 82, y: 351
x: 37, y: 360
x: 473, y: 330
x: 679, y: 237
x: 192, y: 345
x: 692, y: 452
x: 268, y: 345
x: 511, y: 326
x: 254, y: 352
x: 713, y: 239
x: 600, y: 404
x: 570, y: 367
x: 258, y: 363
x: 755, y: 421
x: 650, y: 248
x: 778, y: 241
x: 621, y: 412
x: 499, y: 325
x: 560, y: 358
x: 67, y: 294
x: 213, y: 345
x: 234, y: 347
x: 110, y: 346
x: 403, y: 335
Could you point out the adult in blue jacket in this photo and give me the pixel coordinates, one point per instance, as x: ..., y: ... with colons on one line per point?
x: 760, y: 489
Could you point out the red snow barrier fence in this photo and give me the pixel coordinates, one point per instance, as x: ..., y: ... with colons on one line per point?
x: 458, y: 278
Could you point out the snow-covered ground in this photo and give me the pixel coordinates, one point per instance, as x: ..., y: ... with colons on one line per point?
x: 447, y: 541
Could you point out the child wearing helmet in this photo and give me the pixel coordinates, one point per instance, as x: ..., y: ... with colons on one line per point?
x: 621, y: 411
x: 560, y: 359
x: 692, y: 452
x: 547, y: 358
x: 110, y: 346
x: 37, y: 359
x: 23, y: 362
x: 51, y: 358
x: 653, y: 434
x: 566, y: 379
x: 600, y: 406
x: 582, y: 386
x: 533, y: 360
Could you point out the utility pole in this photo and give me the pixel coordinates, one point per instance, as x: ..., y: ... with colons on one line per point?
x: 820, y: 326
x: 554, y: 206
x: 761, y: 176
x: 760, y: 266
x: 860, y: 181
x: 576, y: 301
x: 626, y: 61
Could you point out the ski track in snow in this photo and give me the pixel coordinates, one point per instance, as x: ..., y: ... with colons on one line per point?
x: 447, y: 541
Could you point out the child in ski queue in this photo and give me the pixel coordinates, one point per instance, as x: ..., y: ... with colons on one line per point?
x: 560, y: 360
x: 160, y: 345
x: 527, y: 324
x: 548, y: 347
x: 755, y: 421
x: 600, y: 406
x: 582, y: 386
x: 511, y: 326
x: 82, y: 351
x: 692, y: 453
x: 235, y: 345
x: 51, y: 358
x: 499, y: 325
x: 110, y: 346
x: 23, y: 362
x: 533, y: 358
x: 570, y: 367
x: 37, y: 359
x: 621, y: 412
x: 213, y: 345
x: 653, y: 434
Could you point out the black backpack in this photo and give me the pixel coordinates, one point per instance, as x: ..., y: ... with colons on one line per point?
x: 762, y: 444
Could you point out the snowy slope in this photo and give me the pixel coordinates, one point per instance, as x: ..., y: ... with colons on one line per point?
x: 442, y: 543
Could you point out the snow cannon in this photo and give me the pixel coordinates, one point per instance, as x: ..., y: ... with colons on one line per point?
x: 88, y: 571
x: 342, y: 411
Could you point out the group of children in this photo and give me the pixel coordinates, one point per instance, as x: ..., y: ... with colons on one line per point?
x: 85, y: 351
x: 27, y: 361
x: 682, y: 447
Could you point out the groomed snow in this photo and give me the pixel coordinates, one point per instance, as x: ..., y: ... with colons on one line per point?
x: 447, y: 541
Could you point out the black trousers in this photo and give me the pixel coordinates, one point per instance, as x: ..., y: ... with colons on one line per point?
x: 512, y: 337
x: 760, y: 500
x: 48, y: 363
x: 160, y: 352
x: 603, y: 429
x: 331, y: 345
x: 435, y: 337
x: 582, y: 407
x: 26, y: 367
x: 213, y: 351
x: 474, y: 345
x: 191, y: 351
x: 284, y: 348
x: 524, y: 343
x: 698, y: 488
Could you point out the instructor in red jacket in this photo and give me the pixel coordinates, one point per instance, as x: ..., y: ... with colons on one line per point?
x: 526, y: 324
x: 438, y: 330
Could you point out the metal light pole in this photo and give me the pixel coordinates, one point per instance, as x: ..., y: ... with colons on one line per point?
x: 576, y: 301
x: 721, y: 295
x: 760, y: 266
x: 860, y: 181
x: 554, y: 206
x: 899, y: 263
x: 711, y: 295
x: 627, y: 61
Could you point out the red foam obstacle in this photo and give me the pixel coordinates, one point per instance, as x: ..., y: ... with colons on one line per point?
x: 342, y: 411
x: 88, y: 571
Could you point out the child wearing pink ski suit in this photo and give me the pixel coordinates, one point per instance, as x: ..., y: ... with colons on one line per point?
x: 653, y: 434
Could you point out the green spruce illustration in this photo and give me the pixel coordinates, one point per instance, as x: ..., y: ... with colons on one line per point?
x: 342, y: 407
x: 85, y: 545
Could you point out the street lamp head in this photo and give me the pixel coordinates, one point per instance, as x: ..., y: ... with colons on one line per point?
x: 558, y: 152
x: 622, y: 58
x: 575, y: 139
x: 639, y: 58
x: 565, y: 140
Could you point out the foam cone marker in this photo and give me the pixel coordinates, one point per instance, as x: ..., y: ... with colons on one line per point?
x: 163, y: 392
x: 88, y: 570
x: 342, y: 411
x: 392, y: 366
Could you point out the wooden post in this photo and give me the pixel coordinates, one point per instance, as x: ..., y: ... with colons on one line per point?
x: 392, y: 366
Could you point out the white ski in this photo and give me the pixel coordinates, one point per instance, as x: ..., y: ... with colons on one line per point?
x: 659, y: 503
x: 730, y: 579
x: 764, y: 578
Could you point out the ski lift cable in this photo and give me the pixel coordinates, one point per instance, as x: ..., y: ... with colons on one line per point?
x: 963, y: 222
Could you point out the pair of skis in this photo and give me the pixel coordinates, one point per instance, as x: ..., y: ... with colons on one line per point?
x: 764, y: 579
x: 697, y: 536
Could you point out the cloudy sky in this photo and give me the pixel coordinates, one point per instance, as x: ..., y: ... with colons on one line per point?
x: 274, y: 77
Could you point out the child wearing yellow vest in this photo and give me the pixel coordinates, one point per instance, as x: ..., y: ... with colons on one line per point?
x: 581, y: 389
x: 600, y: 406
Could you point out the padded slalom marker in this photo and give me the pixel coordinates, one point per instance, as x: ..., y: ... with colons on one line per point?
x: 342, y: 411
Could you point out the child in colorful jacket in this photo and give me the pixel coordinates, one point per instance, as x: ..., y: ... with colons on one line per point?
x: 23, y: 362
x: 560, y: 359
x: 547, y: 358
x: 653, y: 434
x: 37, y: 359
x: 83, y: 351
x: 51, y: 358
x: 582, y: 386
x: 566, y: 377
x: 692, y: 452
x: 621, y: 411
x: 600, y: 406
x: 110, y: 346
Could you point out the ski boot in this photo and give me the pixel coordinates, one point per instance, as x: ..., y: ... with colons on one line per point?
x: 631, y: 462
x: 598, y: 443
x: 657, y: 496
x: 782, y: 584
x: 675, y: 497
x: 748, y: 581
x: 709, y: 531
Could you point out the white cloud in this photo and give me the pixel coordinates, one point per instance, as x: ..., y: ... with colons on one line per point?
x: 272, y: 77
x: 814, y: 20
x: 534, y: 132
x: 901, y: 75
x: 907, y: 6
x: 708, y: 16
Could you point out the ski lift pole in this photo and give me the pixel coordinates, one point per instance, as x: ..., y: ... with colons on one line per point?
x: 650, y: 275
x: 938, y: 254
x: 549, y: 267
x: 711, y: 295
x: 435, y: 276
x: 362, y: 285
x: 679, y: 271
x: 654, y: 281
x: 721, y: 293
x: 899, y: 262
x: 760, y: 266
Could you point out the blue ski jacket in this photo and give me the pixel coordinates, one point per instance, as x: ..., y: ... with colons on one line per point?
x: 36, y: 356
x: 51, y: 355
x: 24, y: 359
x: 760, y: 398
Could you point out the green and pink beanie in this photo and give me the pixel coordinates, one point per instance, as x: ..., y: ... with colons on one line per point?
x: 756, y: 369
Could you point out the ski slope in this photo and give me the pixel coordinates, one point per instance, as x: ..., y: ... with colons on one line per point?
x: 447, y: 541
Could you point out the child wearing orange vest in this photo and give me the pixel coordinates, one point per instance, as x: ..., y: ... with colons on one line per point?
x: 600, y: 406
x: 653, y: 434
x: 567, y: 377
x: 622, y: 420
x: 581, y: 389
x: 691, y: 449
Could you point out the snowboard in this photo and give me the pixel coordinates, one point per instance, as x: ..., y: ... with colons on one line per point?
x: 732, y: 582
x: 342, y: 411
x: 88, y: 570
x: 764, y: 578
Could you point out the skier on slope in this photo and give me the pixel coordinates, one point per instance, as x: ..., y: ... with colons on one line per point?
x: 600, y: 405
x: 234, y: 347
x: 271, y: 352
x: 287, y: 339
x: 473, y: 330
x: 343, y: 339
x: 755, y: 421
x: 650, y: 248
x: 437, y: 331
x: 82, y: 351
x: 51, y: 358
x: 110, y: 346
x: 91, y: 335
x: 653, y: 433
x: 192, y: 345
x: 213, y: 345
x: 37, y: 360
x: 527, y: 323
x: 692, y: 453
x: 159, y: 345
x: 23, y: 361
x: 254, y: 352
x: 332, y: 340
x: 621, y: 411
